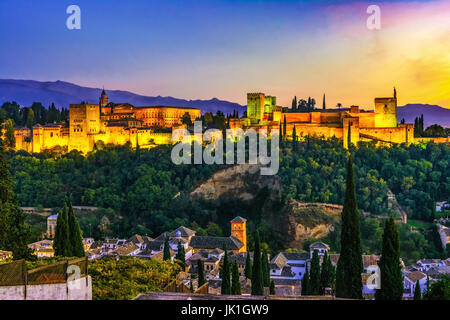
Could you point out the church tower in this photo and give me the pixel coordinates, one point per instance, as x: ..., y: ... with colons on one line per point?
x: 103, y: 99
x: 239, y: 230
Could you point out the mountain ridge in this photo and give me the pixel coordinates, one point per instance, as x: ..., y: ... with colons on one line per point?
x: 63, y: 93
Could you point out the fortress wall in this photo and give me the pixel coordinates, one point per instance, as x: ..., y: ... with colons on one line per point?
x: 366, y: 120
x: 435, y: 140
x: 396, y: 135
x: 330, y: 117
x: 314, y: 130
x: 296, y: 117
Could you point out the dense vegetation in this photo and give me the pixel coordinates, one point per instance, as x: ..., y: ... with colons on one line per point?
x: 144, y: 192
x: 128, y: 277
x: 29, y: 116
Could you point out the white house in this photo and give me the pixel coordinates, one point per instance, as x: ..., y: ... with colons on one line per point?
x: 409, y: 283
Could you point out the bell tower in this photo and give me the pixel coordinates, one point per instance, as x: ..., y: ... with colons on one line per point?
x: 239, y: 230
x: 103, y: 99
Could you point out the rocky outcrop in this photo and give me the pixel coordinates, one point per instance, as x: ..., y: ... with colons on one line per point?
x: 239, y: 181
x: 310, y: 221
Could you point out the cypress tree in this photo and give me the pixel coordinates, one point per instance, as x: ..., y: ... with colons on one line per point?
x: 201, y: 273
x: 166, y: 255
x: 75, y: 238
x: 294, y: 140
x: 349, y: 268
x: 327, y: 273
x: 15, y: 234
x: 314, y: 276
x: 272, y: 287
x: 225, y: 274
x: 235, y: 282
x: 61, y: 244
x: 323, y: 103
x: 257, y: 275
x: 294, y: 103
x: 417, y: 292
x: 248, y: 267
x: 390, y: 268
x: 181, y: 256
x: 265, y: 268
x: 284, y: 127
x: 305, y: 283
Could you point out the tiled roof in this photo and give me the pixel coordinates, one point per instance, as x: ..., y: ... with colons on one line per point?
x: 205, y: 242
x: 278, y: 262
x: 126, y: 249
x: 296, y: 255
x: 139, y: 239
x: 160, y: 255
x: 240, y: 257
x: 287, y: 272
x: 155, y: 245
x: 185, y: 232
x: 368, y: 260
x: 239, y: 219
x: 415, y: 275
x: 319, y: 245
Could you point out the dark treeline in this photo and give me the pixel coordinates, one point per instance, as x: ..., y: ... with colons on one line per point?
x: 434, y: 130
x: 29, y: 116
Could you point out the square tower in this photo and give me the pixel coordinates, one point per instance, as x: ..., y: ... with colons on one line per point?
x: 84, y: 122
x: 386, y: 112
x: 255, y: 106
x: 239, y: 230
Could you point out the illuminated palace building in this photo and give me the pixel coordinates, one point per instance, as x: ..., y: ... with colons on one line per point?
x: 107, y: 122
x: 349, y: 124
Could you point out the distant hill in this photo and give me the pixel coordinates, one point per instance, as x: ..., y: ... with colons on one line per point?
x: 61, y: 93
x: 431, y: 114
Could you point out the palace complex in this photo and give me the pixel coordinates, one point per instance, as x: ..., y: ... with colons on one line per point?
x: 107, y: 122
x: 123, y: 123
x: 349, y: 124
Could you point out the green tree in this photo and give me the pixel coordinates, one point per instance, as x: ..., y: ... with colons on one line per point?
x: 294, y: 140
x: 30, y: 118
x: 61, y: 243
x: 272, y: 288
x: 201, y: 273
x: 314, y: 275
x: 235, y: 282
x: 439, y: 290
x: 9, y: 133
x: 390, y: 268
x: 305, y: 283
x: 257, y: 272
x: 225, y: 273
x: 75, y: 237
x: 166, y: 255
x: 248, y: 266
x: 417, y: 292
x: 14, y: 233
x: 181, y: 256
x: 186, y: 119
x: 349, y: 267
x: 265, y: 268
x: 327, y: 274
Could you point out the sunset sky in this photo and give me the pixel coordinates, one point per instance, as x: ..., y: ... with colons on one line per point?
x: 224, y: 49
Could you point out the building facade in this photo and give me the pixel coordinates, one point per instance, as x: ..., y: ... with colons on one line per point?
x: 349, y: 124
x: 107, y: 122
